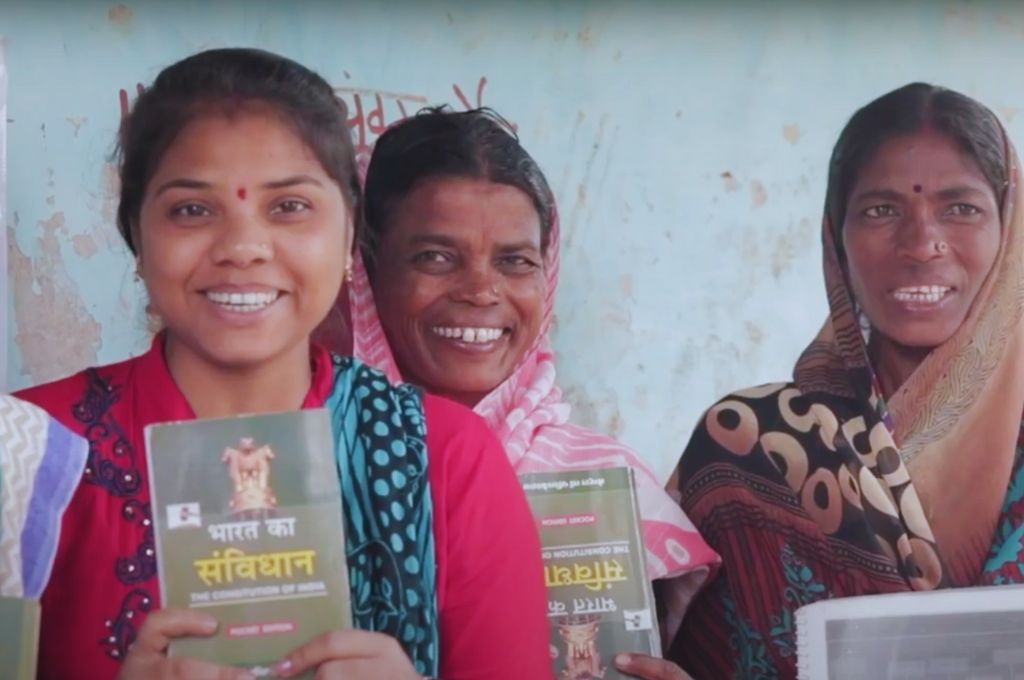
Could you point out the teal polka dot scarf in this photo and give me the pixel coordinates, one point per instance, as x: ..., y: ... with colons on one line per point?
x: 381, y: 452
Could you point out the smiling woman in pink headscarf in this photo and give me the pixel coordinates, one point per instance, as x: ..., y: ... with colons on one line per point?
x: 460, y: 241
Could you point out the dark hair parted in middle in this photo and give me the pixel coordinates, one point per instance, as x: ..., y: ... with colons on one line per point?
x: 227, y: 82
x: 910, y: 109
x: 439, y: 142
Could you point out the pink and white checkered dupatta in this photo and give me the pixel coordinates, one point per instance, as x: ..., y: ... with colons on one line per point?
x: 532, y: 421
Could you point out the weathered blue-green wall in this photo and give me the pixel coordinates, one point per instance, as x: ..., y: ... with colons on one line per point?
x: 687, y: 142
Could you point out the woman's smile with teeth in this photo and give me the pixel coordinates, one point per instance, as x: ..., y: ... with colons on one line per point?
x: 243, y: 302
x: 921, y: 293
x: 471, y: 335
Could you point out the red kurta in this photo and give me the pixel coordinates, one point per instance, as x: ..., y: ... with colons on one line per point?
x: 491, y: 594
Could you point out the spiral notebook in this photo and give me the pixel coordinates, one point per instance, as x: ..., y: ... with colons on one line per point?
x: 964, y: 633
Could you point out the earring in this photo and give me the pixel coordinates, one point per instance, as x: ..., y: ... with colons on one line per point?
x: 348, y: 272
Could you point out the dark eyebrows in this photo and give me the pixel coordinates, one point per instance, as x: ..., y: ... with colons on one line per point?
x: 293, y: 181
x: 951, y: 194
x: 519, y: 247
x: 189, y: 183
x: 449, y: 242
x: 959, y: 193
x: 432, y: 239
x: 182, y: 183
x: 878, y: 195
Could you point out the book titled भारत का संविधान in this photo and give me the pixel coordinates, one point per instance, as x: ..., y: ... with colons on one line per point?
x: 247, y: 513
x: 600, y: 601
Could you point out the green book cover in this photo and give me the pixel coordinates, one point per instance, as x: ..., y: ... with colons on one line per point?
x: 600, y: 602
x: 19, y: 638
x: 247, y: 512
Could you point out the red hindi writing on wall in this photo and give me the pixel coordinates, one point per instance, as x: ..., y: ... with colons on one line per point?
x: 372, y: 111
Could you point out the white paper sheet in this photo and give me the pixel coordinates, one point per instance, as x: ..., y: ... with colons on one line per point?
x: 973, y: 633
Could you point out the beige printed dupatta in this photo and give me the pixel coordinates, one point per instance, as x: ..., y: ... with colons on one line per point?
x: 960, y: 409
x: 822, y: 488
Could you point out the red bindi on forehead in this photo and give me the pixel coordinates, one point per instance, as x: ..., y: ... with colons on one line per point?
x: 917, y: 188
x: 241, y: 193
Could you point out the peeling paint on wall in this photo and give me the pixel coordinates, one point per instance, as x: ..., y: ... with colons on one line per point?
x: 85, y: 245
x: 49, y: 311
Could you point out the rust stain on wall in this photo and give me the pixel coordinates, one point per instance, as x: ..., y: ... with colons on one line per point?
x: 107, y: 198
x: 797, y: 239
x: 754, y: 332
x: 750, y: 249
x: 120, y: 14
x: 584, y: 410
x: 758, y: 194
x: 614, y: 425
x: 791, y: 133
x: 600, y: 413
x: 731, y: 183
x: 85, y: 245
x: 626, y: 285
x: 574, y: 217
x: 55, y: 333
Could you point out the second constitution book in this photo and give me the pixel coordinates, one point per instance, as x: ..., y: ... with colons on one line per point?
x: 599, y: 598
